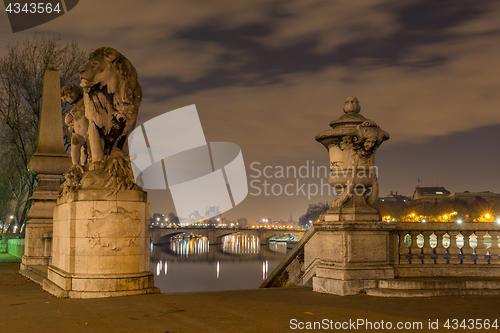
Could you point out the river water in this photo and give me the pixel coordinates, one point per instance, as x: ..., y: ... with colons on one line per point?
x: 192, y: 265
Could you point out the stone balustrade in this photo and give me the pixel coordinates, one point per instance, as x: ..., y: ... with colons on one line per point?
x: 431, y: 249
x: 446, y: 249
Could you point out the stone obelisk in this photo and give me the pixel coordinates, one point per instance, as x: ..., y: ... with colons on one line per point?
x: 49, y: 162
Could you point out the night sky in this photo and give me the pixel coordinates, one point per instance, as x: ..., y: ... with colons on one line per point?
x: 269, y: 75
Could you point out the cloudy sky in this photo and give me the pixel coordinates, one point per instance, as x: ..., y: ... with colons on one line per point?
x: 269, y: 75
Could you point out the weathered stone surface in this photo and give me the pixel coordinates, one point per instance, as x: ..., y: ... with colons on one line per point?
x: 112, y: 97
x: 50, y: 161
x: 348, y: 256
x: 50, y: 156
x: 101, y: 248
x: 101, y: 221
x: 351, y: 144
x: 77, y: 123
x: 351, y: 247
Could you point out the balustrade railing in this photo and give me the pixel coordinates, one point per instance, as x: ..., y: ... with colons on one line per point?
x: 447, y: 246
x: 449, y: 243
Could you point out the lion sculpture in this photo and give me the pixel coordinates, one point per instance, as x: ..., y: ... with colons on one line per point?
x: 112, y: 97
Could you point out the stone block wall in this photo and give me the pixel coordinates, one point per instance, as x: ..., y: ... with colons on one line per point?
x: 15, y: 247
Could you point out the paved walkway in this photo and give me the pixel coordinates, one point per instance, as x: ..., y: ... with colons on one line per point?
x: 25, y: 307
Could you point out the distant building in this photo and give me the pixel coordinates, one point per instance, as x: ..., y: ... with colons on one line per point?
x: 394, y: 198
x: 472, y: 196
x: 212, y: 211
x: 195, y: 217
x: 430, y: 193
x: 438, y: 193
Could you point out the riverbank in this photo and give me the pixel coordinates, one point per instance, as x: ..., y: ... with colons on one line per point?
x: 27, y: 308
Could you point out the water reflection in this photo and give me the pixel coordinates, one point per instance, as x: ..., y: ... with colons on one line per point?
x: 238, y: 262
x: 159, y: 265
x: 278, y: 247
x: 240, y: 244
x: 190, y: 246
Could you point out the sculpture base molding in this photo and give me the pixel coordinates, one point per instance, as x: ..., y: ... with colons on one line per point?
x: 38, y: 228
x: 37, y: 246
x: 348, y: 256
x: 101, y: 245
x: 344, y: 281
x: 355, y: 209
x: 346, y: 216
x: 64, y: 284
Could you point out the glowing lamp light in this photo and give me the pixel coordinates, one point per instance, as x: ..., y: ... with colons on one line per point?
x: 459, y: 221
x: 487, y: 216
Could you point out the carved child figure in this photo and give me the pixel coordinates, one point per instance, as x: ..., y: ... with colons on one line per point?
x: 77, y: 123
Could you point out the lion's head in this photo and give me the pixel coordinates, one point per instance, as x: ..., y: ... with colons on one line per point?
x: 109, y: 69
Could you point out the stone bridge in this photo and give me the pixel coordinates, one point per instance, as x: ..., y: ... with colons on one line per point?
x: 214, y: 235
x: 216, y: 253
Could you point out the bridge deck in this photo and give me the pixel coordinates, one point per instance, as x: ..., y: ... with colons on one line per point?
x: 28, y: 308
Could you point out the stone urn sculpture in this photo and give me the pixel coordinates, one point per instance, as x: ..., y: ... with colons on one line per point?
x: 349, y: 248
x: 351, y: 144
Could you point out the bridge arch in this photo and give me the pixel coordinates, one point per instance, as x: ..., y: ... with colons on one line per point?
x: 215, y: 235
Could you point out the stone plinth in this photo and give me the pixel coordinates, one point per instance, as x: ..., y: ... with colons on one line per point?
x: 348, y: 256
x: 101, y: 245
x: 38, y: 237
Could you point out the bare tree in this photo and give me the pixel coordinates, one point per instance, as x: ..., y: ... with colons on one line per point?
x: 21, y: 86
x: 313, y: 213
x: 243, y: 222
x: 172, y: 218
x: 6, y: 197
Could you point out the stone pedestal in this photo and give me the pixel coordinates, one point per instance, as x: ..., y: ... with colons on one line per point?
x: 38, y: 237
x: 348, y: 256
x: 100, y: 245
